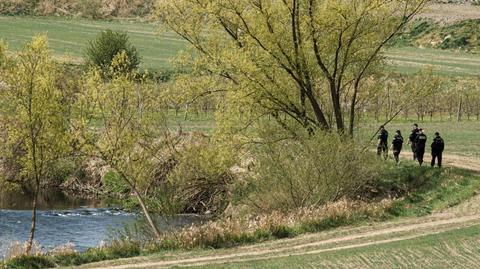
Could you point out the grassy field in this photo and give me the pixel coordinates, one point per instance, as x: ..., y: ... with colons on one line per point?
x: 452, y: 249
x: 461, y: 138
x: 69, y: 37
x: 452, y: 63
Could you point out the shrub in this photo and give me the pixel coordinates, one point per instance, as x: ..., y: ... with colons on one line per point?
x: 29, y: 262
x: 108, y: 44
x: 309, y: 171
x: 203, y: 179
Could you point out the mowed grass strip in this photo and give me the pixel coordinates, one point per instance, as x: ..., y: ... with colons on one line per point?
x: 68, y: 38
x: 452, y: 249
x: 409, y: 60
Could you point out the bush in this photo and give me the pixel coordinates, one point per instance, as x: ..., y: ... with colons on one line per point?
x: 108, y: 44
x: 202, y: 179
x: 29, y: 262
x: 310, y: 171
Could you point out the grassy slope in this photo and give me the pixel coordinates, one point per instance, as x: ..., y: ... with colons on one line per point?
x: 426, y: 190
x: 69, y: 37
x: 451, y: 63
x: 457, y: 248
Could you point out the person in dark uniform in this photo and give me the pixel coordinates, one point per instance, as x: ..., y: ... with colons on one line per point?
x: 412, y: 139
x: 382, y: 142
x: 438, y: 145
x: 420, y: 143
x: 397, y: 145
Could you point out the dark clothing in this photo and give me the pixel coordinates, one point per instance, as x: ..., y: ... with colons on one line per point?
x: 397, y: 142
x: 383, y: 144
x: 420, y: 143
x: 438, y: 145
x: 397, y: 145
x: 413, y: 139
x: 413, y: 135
x: 438, y: 157
x: 383, y: 137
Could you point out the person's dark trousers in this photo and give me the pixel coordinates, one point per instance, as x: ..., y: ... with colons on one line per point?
x: 420, y: 153
x: 414, y: 150
x: 396, y: 156
x: 438, y: 156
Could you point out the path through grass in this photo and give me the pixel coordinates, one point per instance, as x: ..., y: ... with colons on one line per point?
x: 451, y: 249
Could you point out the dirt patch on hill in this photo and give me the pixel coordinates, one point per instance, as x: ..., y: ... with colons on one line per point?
x: 449, y: 13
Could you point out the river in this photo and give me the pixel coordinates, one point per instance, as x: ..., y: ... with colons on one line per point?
x: 61, y: 221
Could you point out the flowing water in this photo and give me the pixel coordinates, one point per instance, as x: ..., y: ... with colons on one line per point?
x: 62, y: 221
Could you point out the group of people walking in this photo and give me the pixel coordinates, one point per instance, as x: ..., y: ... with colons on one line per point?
x: 417, y: 140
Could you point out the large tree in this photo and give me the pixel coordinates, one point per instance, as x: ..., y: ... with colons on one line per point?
x: 291, y: 59
x: 119, y: 123
x: 34, y: 115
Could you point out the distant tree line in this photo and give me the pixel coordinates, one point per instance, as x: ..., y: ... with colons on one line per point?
x: 95, y: 9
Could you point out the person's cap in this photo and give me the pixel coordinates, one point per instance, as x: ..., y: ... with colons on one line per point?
x: 420, y: 129
x: 382, y: 126
x: 416, y: 125
x: 398, y: 131
x: 437, y: 133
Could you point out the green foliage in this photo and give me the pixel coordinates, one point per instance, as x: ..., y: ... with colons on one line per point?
x: 131, y: 125
x: 418, y: 191
x: 426, y: 190
x: 202, y: 178
x: 317, y: 72
x: 294, y: 174
x: 114, y: 184
x: 461, y: 35
x: 108, y: 44
x: 29, y: 262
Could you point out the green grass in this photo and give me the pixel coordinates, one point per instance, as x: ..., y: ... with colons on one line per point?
x: 202, y: 122
x: 69, y: 37
x: 423, y: 190
x: 461, y: 138
x: 426, y: 190
x: 408, y: 60
x: 452, y: 249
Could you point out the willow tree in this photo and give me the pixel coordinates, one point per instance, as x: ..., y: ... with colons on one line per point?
x: 290, y: 60
x: 119, y: 122
x: 34, y: 116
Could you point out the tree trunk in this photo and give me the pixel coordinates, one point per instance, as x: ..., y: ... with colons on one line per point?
x: 337, y: 109
x: 459, y: 111
x: 185, y: 115
x: 149, y: 218
x: 34, y: 218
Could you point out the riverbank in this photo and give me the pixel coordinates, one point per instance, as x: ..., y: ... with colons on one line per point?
x: 408, y: 192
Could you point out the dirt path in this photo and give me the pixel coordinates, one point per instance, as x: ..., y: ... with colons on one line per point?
x: 452, y: 160
x: 464, y: 215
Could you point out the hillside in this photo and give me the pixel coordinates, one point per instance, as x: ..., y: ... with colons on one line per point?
x: 428, y: 33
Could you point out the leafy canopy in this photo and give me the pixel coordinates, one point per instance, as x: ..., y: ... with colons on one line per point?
x: 301, y: 63
x: 101, y: 51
